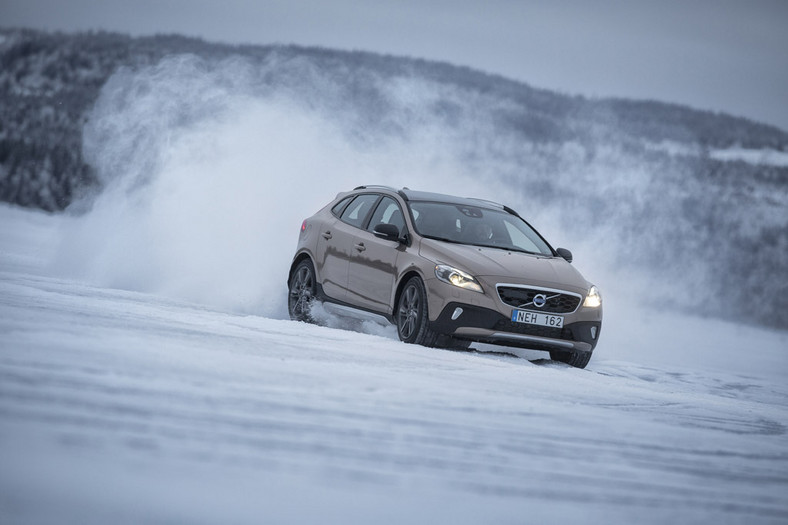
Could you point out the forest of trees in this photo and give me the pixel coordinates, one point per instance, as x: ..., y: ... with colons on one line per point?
x: 49, y: 81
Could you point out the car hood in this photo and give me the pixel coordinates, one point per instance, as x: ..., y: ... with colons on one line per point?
x: 505, y: 266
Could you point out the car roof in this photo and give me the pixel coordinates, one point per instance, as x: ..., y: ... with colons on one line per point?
x: 413, y: 195
x: 441, y: 197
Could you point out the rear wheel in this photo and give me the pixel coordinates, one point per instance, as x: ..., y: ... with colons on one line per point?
x: 302, y: 290
x: 576, y: 359
x: 412, y: 316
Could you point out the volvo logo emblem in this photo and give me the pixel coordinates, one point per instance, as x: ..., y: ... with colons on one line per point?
x: 540, y: 300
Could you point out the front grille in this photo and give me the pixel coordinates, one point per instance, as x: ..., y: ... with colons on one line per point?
x: 532, y: 329
x: 557, y: 302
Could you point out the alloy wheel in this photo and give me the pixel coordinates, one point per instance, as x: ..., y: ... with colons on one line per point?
x: 302, y: 292
x: 409, y: 310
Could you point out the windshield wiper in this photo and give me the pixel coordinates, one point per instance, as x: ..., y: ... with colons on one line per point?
x: 444, y: 239
x: 518, y: 250
x: 513, y: 249
x: 507, y: 248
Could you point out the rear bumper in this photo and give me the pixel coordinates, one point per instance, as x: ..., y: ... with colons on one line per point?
x: 484, y: 325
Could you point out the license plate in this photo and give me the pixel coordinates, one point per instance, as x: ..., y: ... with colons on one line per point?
x: 521, y: 316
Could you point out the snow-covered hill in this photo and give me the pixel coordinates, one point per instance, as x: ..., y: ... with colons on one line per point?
x: 127, y: 407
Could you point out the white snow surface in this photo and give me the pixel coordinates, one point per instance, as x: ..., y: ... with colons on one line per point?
x: 128, y: 407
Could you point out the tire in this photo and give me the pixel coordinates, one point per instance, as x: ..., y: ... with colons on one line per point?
x: 575, y: 359
x: 412, y: 316
x: 301, y: 292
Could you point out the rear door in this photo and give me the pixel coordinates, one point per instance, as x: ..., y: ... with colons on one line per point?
x: 336, y: 241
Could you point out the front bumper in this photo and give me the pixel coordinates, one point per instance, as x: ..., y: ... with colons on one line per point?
x: 484, y: 325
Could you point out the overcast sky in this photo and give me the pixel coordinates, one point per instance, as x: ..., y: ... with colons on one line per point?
x: 723, y: 55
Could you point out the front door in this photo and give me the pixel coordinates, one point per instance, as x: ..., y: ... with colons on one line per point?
x: 373, y: 261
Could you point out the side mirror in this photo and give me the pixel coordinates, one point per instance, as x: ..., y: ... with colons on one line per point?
x: 566, y: 254
x: 387, y: 231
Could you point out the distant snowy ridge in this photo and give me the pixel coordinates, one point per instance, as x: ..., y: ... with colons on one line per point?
x: 766, y: 157
x: 50, y: 81
x: 755, y: 157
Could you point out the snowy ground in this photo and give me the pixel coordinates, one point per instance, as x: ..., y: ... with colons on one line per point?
x: 122, y: 407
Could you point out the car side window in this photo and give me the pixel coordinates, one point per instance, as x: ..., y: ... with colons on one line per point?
x: 357, y: 211
x: 338, y: 207
x: 387, y: 212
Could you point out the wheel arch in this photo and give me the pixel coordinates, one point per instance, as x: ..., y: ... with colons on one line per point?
x: 297, y: 260
x: 412, y: 272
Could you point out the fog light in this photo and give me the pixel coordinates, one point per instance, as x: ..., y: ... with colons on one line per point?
x: 456, y: 314
x: 593, y: 332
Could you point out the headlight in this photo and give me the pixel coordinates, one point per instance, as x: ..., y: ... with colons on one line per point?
x: 457, y: 277
x: 593, y: 299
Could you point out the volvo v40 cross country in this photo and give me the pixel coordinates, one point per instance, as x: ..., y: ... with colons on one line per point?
x: 447, y: 271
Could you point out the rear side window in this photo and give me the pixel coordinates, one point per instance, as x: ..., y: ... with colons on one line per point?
x: 355, y: 213
x: 338, y: 207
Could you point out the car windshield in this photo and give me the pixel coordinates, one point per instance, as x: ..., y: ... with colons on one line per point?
x: 463, y: 224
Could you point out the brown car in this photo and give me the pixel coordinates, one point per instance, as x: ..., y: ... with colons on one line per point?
x: 447, y: 271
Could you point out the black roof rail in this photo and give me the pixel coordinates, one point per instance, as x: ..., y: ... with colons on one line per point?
x: 498, y: 204
x: 401, y: 192
x: 373, y: 186
x: 505, y: 208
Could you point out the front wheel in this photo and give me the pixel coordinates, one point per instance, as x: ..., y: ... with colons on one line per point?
x: 301, y: 293
x: 412, y: 316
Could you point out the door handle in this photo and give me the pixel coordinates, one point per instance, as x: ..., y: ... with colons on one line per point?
x: 360, y: 247
x: 327, y: 235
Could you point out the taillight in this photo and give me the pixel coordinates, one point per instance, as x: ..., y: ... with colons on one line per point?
x: 303, y: 226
